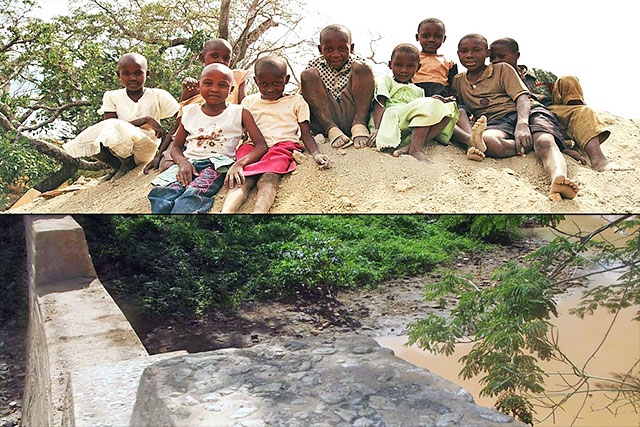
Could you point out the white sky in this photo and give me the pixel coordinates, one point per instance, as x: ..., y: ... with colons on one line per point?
x: 594, y: 41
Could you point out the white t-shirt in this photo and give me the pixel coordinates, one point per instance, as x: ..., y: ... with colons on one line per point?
x: 156, y: 103
x: 210, y: 135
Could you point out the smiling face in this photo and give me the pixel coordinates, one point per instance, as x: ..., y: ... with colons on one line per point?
x: 133, y: 72
x: 216, y: 81
x: 335, y: 46
x: 404, y: 65
x: 271, y: 77
x: 430, y: 36
x: 472, y: 52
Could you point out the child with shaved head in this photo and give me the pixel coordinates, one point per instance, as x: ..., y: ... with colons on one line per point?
x: 283, y: 119
x: 128, y: 134
x: 205, y: 148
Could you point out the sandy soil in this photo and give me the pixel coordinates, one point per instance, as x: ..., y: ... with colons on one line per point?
x: 367, y: 181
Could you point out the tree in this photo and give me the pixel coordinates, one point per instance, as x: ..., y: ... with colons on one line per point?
x: 509, y: 322
x: 53, y: 74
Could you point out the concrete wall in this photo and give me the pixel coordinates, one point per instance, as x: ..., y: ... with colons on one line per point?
x: 78, y: 337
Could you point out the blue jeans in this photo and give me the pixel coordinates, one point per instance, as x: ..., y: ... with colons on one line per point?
x: 197, y: 197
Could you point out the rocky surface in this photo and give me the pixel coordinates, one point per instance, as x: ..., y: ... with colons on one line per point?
x: 332, y: 381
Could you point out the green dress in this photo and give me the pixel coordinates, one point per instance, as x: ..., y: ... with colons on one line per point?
x: 406, y: 108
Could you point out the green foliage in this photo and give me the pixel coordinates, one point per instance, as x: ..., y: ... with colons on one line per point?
x: 508, y: 322
x: 13, y: 280
x: 20, y: 164
x: 187, y: 265
x: 495, y: 227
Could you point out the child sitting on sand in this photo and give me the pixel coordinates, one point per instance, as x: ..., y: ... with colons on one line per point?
x: 400, y: 108
x: 562, y: 96
x: 205, y: 147
x: 436, y: 72
x: 214, y: 51
x: 338, y: 86
x: 284, y: 121
x: 507, y: 125
x: 129, y: 132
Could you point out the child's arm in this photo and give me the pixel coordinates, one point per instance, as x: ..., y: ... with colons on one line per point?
x: 187, y: 170
x: 235, y: 175
x: 242, y: 89
x: 152, y: 123
x: 522, y: 131
x: 164, y: 145
x: 379, y: 107
x: 311, y: 146
x: 190, y: 88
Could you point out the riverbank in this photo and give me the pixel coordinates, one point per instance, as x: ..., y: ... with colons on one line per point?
x: 384, y: 311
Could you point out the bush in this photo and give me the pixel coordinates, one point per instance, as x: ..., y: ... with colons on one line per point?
x: 186, y: 265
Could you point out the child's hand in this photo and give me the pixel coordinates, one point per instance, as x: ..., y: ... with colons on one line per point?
x: 444, y: 99
x: 235, y: 176
x: 323, y: 161
x: 154, y: 164
x: 190, y: 87
x: 151, y: 123
x: 524, y: 141
x: 186, y: 173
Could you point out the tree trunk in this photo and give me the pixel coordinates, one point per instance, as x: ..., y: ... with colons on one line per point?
x: 70, y: 165
x: 223, y: 24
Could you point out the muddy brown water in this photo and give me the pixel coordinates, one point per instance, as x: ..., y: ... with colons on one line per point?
x: 578, y: 337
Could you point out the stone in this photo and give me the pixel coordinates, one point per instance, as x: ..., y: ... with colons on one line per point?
x: 348, y: 381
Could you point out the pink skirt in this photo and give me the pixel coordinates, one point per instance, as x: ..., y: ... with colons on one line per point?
x: 278, y: 159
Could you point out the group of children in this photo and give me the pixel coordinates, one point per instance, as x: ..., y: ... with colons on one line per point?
x: 245, y: 141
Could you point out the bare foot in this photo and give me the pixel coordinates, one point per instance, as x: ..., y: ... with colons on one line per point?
x: 562, y: 188
x: 474, y: 154
x: 417, y: 154
x: 475, y: 139
x: 606, y: 166
x: 127, y: 165
x: 420, y: 156
x: 401, y: 151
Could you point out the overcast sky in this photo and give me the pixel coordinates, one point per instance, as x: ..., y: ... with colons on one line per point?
x: 595, y: 41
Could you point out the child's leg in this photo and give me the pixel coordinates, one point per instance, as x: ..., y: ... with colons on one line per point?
x: 555, y: 167
x: 362, y: 88
x: 236, y: 196
x: 499, y: 145
x: 267, y: 188
x: 599, y: 161
x: 106, y: 156
x: 162, y: 198
x: 315, y: 93
x: 126, y: 165
x: 419, y: 136
x: 198, y: 196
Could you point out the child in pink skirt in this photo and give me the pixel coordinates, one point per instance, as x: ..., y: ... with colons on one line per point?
x: 284, y: 122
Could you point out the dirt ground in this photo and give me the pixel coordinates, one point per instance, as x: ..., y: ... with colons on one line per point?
x: 367, y: 181
x: 384, y: 311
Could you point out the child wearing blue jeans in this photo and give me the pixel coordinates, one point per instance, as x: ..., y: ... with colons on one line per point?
x: 204, y: 148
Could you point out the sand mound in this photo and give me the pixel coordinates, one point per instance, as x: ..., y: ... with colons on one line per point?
x: 367, y: 181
